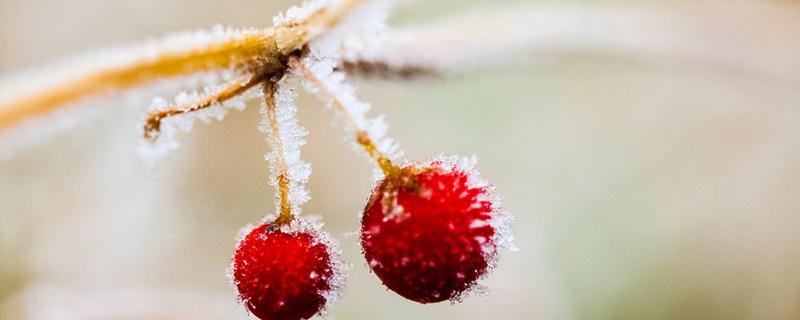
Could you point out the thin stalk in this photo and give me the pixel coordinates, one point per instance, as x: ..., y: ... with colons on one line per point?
x: 362, y: 137
x: 285, y: 215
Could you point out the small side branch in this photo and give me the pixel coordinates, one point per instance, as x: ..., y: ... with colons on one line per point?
x: 152, y: 126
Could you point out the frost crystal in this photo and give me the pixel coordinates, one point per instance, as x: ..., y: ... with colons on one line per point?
x: 338, y: 282
x: 290, y: 137
x: 368, y: 20
x: 301, y: 12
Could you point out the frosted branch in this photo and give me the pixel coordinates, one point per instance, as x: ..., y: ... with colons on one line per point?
x: 256, y: 50
x: 661, y: 35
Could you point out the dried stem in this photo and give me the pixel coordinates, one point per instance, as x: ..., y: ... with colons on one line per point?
x: 152, y: 126
x: 362, y: 137
x: 263, y: 51
x: 285, y: 215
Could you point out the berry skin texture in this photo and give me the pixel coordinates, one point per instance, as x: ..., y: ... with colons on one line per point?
x: 282, y: 275
x: 436, y: 241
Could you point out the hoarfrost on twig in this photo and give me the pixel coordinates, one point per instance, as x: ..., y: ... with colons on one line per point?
x: 153, y: 150
x: 284, y: 154
x: 490, y: 37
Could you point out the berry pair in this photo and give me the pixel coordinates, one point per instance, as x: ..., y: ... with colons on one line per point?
x: 427, y: 233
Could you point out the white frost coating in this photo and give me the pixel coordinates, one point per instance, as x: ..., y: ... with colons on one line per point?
x: 333, y: 83
x: 153, y: 151
x: 291, y: 136
x: 338, y: 282
x: 366, y: 21
x: 301, y: 12
x: 500, y: 220
x: 240, y: 235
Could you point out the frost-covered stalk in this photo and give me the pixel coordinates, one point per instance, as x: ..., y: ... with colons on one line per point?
x: 288, y: 173
x: 328, y: 84
x: 152, y: 126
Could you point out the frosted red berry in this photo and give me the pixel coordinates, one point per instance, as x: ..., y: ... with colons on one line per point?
x: 435, y: 241
x: 282, y: 275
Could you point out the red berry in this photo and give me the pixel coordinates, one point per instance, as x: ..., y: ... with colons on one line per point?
x: 283, y: 273
x: 436, y: 239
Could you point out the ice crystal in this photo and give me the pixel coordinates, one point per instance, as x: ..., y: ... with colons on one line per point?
x: 300, y: 12
x: 368, y: 20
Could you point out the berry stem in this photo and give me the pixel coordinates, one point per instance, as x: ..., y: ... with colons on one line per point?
x: 285, y: 215
x: 362, y: 137
x: 152, y: 126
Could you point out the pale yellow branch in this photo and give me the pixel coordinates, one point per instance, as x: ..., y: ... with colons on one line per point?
x: 265, y: 51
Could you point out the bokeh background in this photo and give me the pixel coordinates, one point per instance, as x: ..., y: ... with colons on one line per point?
x: 642, y: 188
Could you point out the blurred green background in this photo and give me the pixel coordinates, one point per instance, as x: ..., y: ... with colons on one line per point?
x: 642, y: 190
